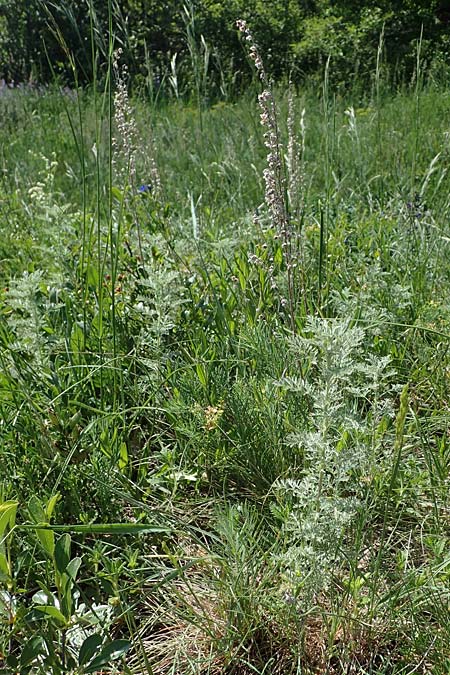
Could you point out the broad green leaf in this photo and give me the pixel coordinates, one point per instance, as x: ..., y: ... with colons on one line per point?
x: 51, y: 506
x: 13, y: 662
x: 73, y: 567
x: 36, y: 510
x: 5, y: 570
x: 67, y: 599
x: 52, y: 612
x: 89, y: 648
x: 62, y: 553
x: 8, y: 512
x: 32, y: 649
x: 123, y: 456
x: 109, y: 653
x: 77, y: 344
x: 92, y: 276
x: 47, y: 539
x: 117, y: 194
x: 42, y: 597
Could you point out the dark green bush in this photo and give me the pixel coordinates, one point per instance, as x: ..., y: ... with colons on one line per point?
x: 296, y: 38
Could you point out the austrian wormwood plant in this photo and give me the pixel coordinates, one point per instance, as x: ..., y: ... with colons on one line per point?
x: 125, y: 141
x: 25, y: 302
x: 281, y: 178
x: 343, y: 389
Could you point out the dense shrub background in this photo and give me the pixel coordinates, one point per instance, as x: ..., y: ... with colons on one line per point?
x: 296, y: 36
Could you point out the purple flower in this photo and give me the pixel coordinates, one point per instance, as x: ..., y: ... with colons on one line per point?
x: 144, y: 188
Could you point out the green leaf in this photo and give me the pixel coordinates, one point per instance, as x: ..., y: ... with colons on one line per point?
x: 77, y: 341
x: 51, y: 506
x: 109, y: 653
x: 117, y: 194
x: 89, y: 648
x: 33, y: 648
x: 36, y: 510
x: 73, y: 567
x: 4, y: 566
x: 13, y: 662
x: 201, y: 374
x: 52, y: 612
x: 8, y: 512
x: 62, y: 553
x: 123, y: 456
x: 92, y: 276
x: 100, y: 528
x: 47, y: 539
x: 278, y: 257
x: 67, y: 599
x: 66, y: 584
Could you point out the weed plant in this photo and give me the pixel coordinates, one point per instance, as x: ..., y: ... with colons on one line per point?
x: 224, y: 420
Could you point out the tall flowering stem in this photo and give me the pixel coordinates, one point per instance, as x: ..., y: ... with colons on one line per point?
x: 126, y: 145
x: 276, y: 192
x: 124, y: 142
x: 126, y: 138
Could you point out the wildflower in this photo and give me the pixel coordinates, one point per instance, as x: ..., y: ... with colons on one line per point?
x: 253, y: 259
x: 273, y: 174
x: 125, y: 139
x: 277, y: 189
x: 142, y: 189
x: 212, y: 417
x: 289, y: 598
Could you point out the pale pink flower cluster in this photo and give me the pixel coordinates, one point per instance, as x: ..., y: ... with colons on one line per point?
x: 124, y: 140
x: 273, y: 173
x: 275, y: 194
x: 253, y: 49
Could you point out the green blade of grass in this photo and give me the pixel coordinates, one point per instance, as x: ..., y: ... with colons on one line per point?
x: 101, y: 528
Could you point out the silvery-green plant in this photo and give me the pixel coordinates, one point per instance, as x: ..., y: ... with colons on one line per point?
x: 343, y: 387
x: 281, y: 178
x: 53, y: 218
x: 27, y: 303
x: 125, y: 140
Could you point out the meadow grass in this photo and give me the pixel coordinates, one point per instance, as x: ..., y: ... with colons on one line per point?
x: 242, y: 484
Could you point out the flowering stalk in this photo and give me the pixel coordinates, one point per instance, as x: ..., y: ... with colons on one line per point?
x: 125, y: 141
x: 125, y: 144
x: 275, y: 194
